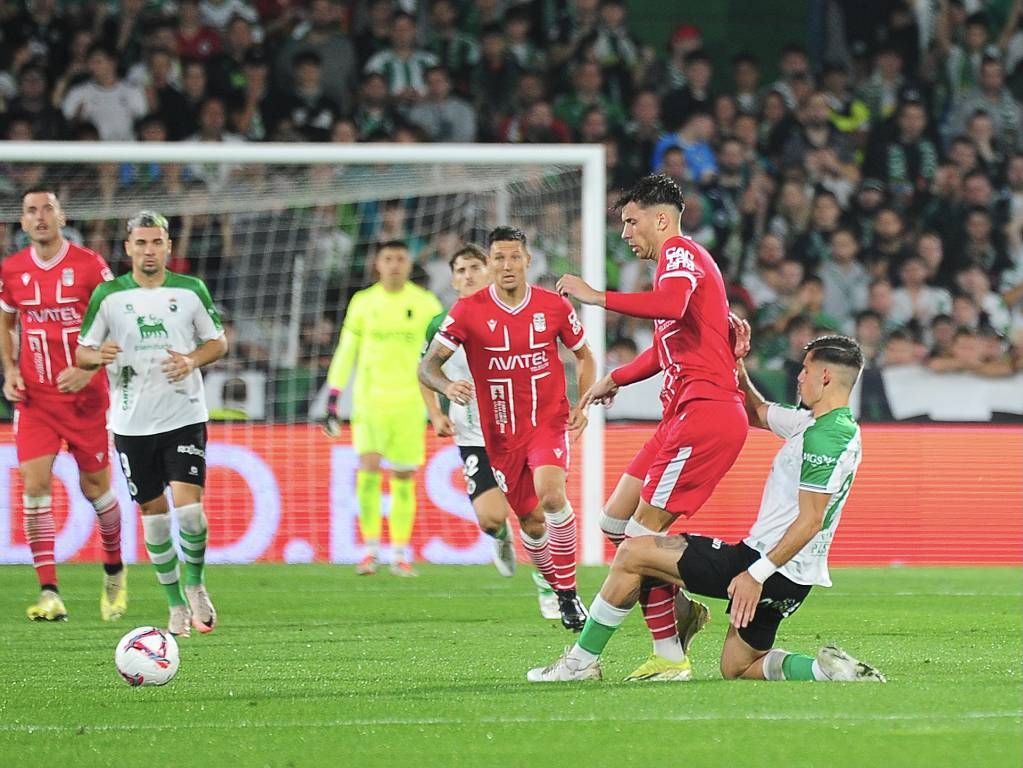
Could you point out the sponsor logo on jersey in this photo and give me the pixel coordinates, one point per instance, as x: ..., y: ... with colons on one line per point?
x: 678, y: 257
x: 539, y: 322
x: 127, y: 374
x: 818, y: 459
x: 192, y: 450
x: 532, y: 361
x: 67, y: 277
x: 54, y: 315
x: 153, y: 328
x: 491, y: 324
x: 573, y: 320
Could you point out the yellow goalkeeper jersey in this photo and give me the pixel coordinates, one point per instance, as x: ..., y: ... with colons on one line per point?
x: 381, y: 340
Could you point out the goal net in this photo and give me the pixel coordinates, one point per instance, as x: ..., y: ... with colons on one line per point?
x: 283, y: 235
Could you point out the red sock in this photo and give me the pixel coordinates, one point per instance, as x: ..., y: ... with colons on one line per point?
x: 563, y: 534
x: 658, y: 603
x: 108, y: 515
x: 539, y: 552
x: 40, y: 533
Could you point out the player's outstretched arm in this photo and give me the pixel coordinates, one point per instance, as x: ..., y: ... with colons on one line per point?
x: 14, y: 385
x: 668, y: 301
x: 756, y: 403
x: 431, y: 375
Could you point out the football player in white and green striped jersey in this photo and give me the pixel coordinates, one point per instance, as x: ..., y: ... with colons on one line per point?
x: 154, y: 329
x: 769, y: 574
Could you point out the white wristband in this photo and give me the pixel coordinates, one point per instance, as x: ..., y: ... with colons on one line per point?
x: 762, y: 569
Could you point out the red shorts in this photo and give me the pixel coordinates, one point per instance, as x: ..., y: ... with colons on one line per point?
x: 513, y: 469
x: 40, y: 426
x: 690, y: 452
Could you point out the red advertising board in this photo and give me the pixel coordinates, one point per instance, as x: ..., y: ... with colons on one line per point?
x: 924, y: 495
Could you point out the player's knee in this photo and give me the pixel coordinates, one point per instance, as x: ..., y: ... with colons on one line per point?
x: 553, y: 501
x: 730, y: 670
x: 628, y: 556
x: 532, y: 527
x: 37, y: 486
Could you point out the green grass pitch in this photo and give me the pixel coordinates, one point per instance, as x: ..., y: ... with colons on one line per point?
x: 313, y: 666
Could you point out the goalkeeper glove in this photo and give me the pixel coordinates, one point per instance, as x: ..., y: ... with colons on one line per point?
x: 332, y: 424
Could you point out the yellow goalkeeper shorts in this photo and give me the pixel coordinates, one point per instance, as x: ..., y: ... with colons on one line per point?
x: 396, y: 433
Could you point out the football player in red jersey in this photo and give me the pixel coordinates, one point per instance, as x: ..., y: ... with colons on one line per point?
x: 46, y: 289
x: 704, y: 424
x: 510, y: 333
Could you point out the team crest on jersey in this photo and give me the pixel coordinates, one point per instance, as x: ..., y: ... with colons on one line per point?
x: 129, y: 308
x: 491, y: 324
x: 173, y: 305
x: 67, y: 277
x: 25, y: 277
x: 539, y: 322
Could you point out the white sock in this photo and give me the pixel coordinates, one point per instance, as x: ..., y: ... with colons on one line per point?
x: 772, y: 664
x: 581, y: 656
x: 669, y: 648
x: 818, y: 673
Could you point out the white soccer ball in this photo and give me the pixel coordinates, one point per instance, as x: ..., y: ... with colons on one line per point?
x: 147, y: 656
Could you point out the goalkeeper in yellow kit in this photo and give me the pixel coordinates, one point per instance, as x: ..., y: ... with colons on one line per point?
x: 381, y: 340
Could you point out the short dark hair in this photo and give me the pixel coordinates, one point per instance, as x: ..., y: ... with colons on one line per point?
x: 505, y: 233
x: 656, y: 189
x: 837, y: 350
x: 867, y: 314
x: 147, y: 218
x: 392, y: 244
x: 307, y: 56
x: 626, y: 342
x: 39, y: 189
x: 469, y: 251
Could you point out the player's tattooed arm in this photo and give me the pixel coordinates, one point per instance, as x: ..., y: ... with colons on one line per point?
x: 431, y: 375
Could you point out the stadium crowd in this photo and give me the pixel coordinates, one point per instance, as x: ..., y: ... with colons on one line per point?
x: 875, y: 187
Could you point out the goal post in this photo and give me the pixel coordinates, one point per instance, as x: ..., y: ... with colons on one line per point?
x: 477, y: 186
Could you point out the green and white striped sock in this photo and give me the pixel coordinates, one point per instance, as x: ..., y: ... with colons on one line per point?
x: 163, y: 556
x: 193, y: 529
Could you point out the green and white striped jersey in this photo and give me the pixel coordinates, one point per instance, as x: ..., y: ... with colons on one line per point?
x: 820, y: 455
x: 145, y: 323
x: 464, y: 418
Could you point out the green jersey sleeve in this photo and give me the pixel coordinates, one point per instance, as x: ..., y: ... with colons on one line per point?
x: 824, y: 442
x: 433, y: 327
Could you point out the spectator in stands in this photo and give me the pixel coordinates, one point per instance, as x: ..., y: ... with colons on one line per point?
x: 76, y: 70
x: 879, y: 301
x: 965, y: 311
x: 991, y: 96
x: 373, y: 113
x: 640, y: 135
x: 587, y: 91
x: 963, y: 59
x: 914, y: 300
x: 454, y: 49
x: 110, y: 104
x: 671, y: 74
x: 798, y: 333
x: 889, y: 250
x: 974, y: 281
x: 43, y: 30
x: 494, y: 80
x: 252, y: 113
x: 195, y: 39
x: 620, y: 351
x: 942, y: 335
x: 695, y: 96
x: 337, y: 56
x: 402, y: 64
x: 869, y: 336
x: 815, y: 131
x: 518, y: 22
x: 931, y: 251
x: 746, y: 79
x: 971, y: 354
x: 794, y: 73
x: 32, y: 103
x: 900, y: 348
x: 880, y: 93
x: 773, y: 316
x: 813, y: 247
x: 163, y: 97
x: 218, y: 13
x: 845, y: 281
x: 693, y: 138
x: 375, y: 35
x: 980, y: 129
x: 441, y: 115
x: 305, y: 113
x: 982, y: 244
x: 227, y: 68
x: 908, y: 161
x: 846, y: 111
x: 619, y: 52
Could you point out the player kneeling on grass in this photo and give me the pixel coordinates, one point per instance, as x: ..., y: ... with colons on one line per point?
x: 769, y: 574
x: 143, y: 327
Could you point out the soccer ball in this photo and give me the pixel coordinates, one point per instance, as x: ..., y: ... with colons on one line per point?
x: 147, y: 656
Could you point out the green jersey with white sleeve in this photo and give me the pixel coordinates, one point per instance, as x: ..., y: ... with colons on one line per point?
x: 145, y: 323
x: 820, y: 455
x: 464, y: 418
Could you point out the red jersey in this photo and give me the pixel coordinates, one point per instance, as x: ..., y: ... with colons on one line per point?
x: 689, y: 306
x: 513, y: 357
x: 50, y: 298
